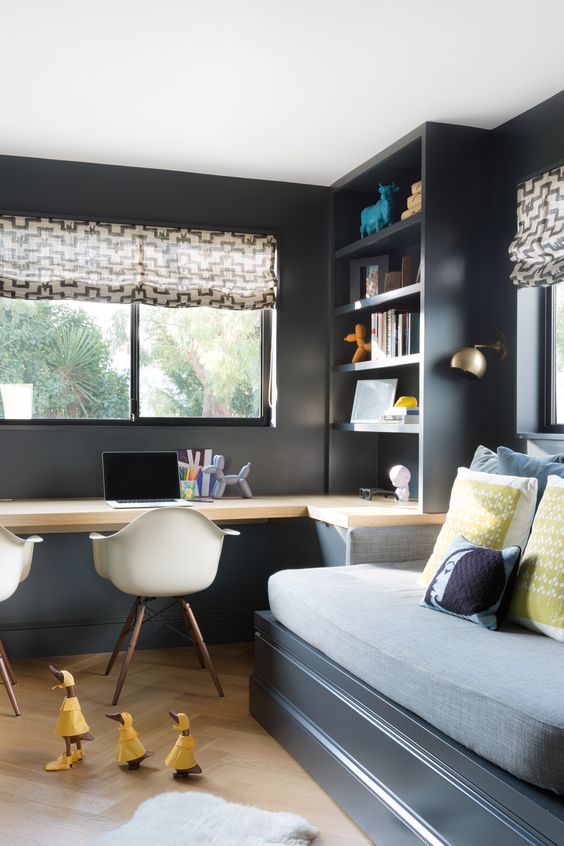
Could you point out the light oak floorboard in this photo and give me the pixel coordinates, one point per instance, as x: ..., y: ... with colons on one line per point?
x: 241, y: 762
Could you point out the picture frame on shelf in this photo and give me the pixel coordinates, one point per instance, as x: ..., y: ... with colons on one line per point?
x: 372, y: 398
x: 367, y: 277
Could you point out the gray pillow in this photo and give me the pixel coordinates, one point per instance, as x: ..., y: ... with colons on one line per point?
x: 518, y: 464
x: 485, y: 460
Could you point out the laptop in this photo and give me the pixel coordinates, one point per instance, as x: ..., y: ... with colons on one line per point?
x: 141, y: 479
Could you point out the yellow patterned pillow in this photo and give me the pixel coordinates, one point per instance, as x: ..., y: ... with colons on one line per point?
x: 537, y: 601
x: 488, y: 510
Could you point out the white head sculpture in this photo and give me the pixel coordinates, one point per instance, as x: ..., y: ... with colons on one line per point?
x: 400, y: 478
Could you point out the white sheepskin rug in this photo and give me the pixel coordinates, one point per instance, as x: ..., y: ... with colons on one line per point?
x: 180, y: 819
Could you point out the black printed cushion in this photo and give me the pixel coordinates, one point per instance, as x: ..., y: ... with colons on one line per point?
x: 472, y: 582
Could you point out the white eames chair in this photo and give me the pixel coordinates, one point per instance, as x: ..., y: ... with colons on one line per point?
x: 164, y: 552
x: 15, y: 564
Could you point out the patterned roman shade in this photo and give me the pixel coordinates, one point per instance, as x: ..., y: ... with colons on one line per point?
x: 538, y: 246
x: 52, y: 259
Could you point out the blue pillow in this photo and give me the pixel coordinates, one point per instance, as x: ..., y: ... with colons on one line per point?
x: 485, y: 460
x: 518, y: 464
x: 472, y: 582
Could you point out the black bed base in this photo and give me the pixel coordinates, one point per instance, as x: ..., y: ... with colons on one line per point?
x: 402, y: 781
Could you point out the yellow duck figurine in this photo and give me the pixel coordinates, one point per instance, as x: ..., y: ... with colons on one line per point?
x: 181, y: 757
x: 71, y: 725
x: 130, y: 750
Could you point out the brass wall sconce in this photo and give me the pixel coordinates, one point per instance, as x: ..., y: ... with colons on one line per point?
x: 471, y: 362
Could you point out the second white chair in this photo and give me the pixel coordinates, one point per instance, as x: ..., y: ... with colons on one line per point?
x: 15, y: 563
x: 166, y: 552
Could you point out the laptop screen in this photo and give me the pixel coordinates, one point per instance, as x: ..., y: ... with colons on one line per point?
x: 140, y: 475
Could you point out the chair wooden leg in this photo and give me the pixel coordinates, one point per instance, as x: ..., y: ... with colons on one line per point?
x: 201, y: 645
x: 122, y: 635
x: 130, y: 651
x: 7, y: 663
x: 8, y: 682
x: 191, y: 633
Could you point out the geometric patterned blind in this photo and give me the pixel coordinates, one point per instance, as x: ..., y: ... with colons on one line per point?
x: 52, y: 259
x: 538, y: 246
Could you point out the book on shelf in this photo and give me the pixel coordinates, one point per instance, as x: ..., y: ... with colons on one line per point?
x: 402, y: 411
x: 400, y: 415
x: 399, y: 421
x: 394, y: 334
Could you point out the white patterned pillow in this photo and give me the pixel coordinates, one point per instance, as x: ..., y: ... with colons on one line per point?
x: 537, y: 601
x: 488, y: 510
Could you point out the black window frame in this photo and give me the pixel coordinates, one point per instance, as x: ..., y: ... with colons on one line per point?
x: 549, y: 362
x: 264, y: 420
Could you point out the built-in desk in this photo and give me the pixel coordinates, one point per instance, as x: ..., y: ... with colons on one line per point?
x: 64, y: 606
x: 85, y: 515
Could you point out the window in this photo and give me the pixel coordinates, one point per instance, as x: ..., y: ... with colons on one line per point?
x: 537, y: 253
x: 555, y: 348
x: 82, y: 361
x: 64, y: 361
x: 199, y: 362
x: 131, y: 321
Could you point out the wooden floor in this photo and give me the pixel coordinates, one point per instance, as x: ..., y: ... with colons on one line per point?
x: 241, y: 762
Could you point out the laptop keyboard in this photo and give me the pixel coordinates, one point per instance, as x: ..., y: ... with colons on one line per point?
x: 128, y: 501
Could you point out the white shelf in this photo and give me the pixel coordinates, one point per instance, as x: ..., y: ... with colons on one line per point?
x: 394, y: 428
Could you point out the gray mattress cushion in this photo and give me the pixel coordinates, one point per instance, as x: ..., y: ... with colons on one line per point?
x: 499, y: 693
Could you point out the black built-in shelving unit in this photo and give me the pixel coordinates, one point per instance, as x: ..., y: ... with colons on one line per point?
x: 446, y: 241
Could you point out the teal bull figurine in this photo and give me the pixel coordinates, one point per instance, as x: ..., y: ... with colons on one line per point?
x: 376, y: 217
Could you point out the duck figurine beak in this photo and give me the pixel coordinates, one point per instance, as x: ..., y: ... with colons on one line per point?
x: 174, y: 716
x: 57, y: 673
x: 117, y: 717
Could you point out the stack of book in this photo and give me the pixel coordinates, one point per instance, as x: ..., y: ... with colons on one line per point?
x: 413, y: 202
x: 400, y: 415
x: 394, y: 333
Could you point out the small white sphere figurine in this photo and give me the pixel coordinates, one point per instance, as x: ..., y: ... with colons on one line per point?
x: 400, y: 478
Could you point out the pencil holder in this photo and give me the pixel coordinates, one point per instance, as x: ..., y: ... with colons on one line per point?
x: 188, y: 488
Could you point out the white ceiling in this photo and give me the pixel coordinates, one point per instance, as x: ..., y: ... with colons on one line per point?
x: 274, y: 89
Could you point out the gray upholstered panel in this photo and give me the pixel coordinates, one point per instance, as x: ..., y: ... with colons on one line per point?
x: 381, y: 544
x: 498, y: 693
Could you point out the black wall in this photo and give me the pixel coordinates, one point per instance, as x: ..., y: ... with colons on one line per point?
x: 78, y: 611
x: 288, y: 458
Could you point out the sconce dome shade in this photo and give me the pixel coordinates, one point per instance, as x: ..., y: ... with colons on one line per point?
x: 470, y: 363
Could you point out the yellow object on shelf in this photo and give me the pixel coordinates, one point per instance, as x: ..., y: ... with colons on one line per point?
x: 406, y: 402
x: 409, y: 213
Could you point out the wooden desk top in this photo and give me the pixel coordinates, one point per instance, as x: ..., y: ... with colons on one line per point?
x: 26, y: 516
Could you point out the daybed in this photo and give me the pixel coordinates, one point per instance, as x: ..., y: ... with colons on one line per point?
x: 423, y: 727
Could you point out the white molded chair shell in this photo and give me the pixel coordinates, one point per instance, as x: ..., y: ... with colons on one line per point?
x: 164, y: 552
x: 15, y: 560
